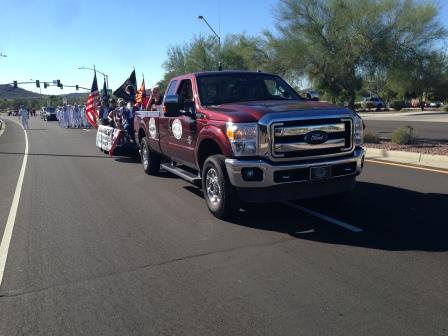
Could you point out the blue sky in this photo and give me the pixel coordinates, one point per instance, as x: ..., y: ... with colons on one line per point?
x: 51, y: 39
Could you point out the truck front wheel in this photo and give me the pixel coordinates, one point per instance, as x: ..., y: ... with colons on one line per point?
x: 150, y: 160
x: 220, y: 195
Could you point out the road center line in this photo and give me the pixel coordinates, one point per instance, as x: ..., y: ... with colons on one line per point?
x: 324, y: 217
x: 6, y: 239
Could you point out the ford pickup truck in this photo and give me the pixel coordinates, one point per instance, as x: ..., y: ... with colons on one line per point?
x: 248, y: 136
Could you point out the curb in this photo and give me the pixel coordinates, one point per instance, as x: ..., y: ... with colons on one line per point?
x: 427, y: 160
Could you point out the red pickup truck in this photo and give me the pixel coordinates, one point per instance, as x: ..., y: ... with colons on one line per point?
x: 248, y: 136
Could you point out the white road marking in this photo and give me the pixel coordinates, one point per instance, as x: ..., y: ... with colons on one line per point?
x: 434, y: 170
x: 86, y: 130
x: 6, y: 239
x: 324, y: 217
x: 3, y: 124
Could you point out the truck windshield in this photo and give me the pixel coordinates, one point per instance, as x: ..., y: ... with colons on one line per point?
x: 230, y: 88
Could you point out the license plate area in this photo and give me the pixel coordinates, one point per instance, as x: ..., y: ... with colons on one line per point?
x: 320, y: 173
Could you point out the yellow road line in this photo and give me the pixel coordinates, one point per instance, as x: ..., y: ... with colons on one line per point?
x: 441, y: 171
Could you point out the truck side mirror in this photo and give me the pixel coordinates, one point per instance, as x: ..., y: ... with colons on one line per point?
x: 172, y: 105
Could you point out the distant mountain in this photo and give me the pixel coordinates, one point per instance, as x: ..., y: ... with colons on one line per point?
x: 77, y: 95
x: 10, y: 92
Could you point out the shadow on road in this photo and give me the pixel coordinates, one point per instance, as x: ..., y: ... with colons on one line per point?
x: 391, y: 218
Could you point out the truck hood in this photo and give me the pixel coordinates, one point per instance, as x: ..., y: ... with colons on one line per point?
x: 254, y: 111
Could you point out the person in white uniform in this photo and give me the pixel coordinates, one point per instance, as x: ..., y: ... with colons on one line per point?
x: 24, y: 115
x: 65, y: 116
x: 76, y: 116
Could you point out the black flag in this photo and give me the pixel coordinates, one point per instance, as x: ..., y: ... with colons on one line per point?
x: 104, y: 93
x: 128, y: 89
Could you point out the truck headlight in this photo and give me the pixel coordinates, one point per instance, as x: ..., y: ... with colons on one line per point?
x: 243, y: 138
x: 359, y: 131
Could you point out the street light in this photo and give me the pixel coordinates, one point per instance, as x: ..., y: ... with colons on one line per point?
x: 106, y: 77
x: 201, y: 17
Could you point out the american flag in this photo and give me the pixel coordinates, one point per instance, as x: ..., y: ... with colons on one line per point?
x: 92, y: 103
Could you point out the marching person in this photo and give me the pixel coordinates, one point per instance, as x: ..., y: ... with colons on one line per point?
x: 64, y: 116
x: 76, y: 117
x: 24, y: 115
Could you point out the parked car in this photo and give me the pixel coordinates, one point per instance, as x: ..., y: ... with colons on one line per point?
x: 49, y: 113
x: 373, y: 102
x: 312, y: 95
x: 435, y: 104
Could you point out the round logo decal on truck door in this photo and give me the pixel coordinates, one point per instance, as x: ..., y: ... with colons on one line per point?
x: 176, y: 128
x: 152, y: 128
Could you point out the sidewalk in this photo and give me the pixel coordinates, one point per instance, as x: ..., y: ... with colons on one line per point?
x: 427, y: 160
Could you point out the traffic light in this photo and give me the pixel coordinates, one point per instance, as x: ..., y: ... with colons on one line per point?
x: 58, y: 82
x: 77, y: 87
x: 45, y: 85
x: 38, y: 83
x: 15, y: 84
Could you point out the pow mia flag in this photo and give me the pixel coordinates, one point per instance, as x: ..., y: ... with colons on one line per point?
x: 121, y: 92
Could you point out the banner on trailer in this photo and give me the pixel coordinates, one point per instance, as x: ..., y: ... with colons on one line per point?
x: 115, y: 140
x: 105, y: 137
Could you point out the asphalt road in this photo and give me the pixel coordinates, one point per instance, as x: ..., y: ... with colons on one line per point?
x: 100, y: 248
x: 428, y: 125
x: 437, y: 131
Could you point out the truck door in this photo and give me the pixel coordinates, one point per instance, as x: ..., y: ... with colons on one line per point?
x: 178, y: 139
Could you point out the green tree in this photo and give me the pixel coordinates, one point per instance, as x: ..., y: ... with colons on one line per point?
x: 238, y: 52
x: 337, y: 42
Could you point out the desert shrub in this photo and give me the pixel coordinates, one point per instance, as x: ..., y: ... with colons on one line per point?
x: 404, y: 136
x: 370, y: 137
x: 397, y: 105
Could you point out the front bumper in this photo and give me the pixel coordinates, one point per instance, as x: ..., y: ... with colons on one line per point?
x: 270, y: 170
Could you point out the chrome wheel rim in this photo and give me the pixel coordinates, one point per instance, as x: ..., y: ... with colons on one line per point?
x: 213, y: 187
x: 145, y: 156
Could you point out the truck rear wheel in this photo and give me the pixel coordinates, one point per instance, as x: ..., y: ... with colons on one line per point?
x: 150, y: 160
x: 220, y: 195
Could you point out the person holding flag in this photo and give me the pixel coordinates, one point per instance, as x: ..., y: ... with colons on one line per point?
x: 92, y: 103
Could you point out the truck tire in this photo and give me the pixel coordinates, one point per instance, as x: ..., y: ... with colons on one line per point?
x: 150, y: 160
x: 220, y: 195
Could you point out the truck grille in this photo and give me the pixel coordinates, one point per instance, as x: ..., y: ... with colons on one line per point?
x: 310, y: 138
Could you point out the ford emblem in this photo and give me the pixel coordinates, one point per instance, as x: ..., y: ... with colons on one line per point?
x: 316, y: 137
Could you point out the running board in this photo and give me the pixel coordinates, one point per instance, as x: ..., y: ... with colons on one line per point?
x: 185, y: 174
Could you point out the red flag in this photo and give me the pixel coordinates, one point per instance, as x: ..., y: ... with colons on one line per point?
x: 92, y: 102
x: 140, y: 97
